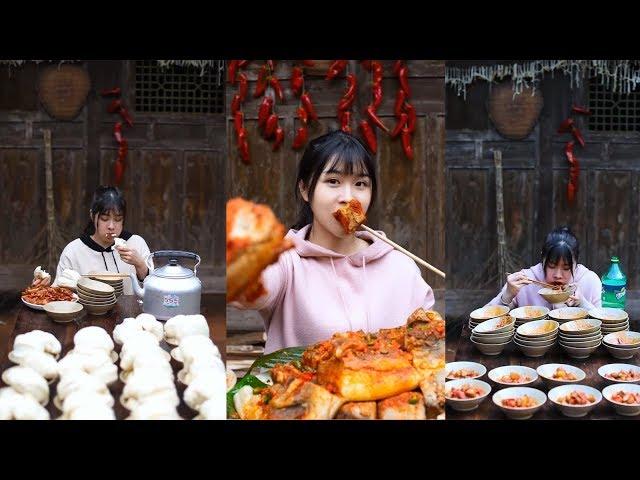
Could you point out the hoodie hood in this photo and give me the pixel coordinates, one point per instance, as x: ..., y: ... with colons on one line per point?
x: 306, y: 249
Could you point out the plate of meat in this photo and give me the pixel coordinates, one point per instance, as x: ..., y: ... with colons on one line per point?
x: 37, y: 297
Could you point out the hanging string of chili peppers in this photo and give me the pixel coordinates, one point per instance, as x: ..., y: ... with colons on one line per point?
x: 365, y: 127
x: 305, y: 112
x: 116, y: 106
x: 349, y: 97
x: 268, y: 86
x: 403, y: 110
x: 234, y: 76
x: 568, y: 126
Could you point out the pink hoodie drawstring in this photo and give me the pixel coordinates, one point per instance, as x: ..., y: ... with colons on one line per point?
x: 344, y: 304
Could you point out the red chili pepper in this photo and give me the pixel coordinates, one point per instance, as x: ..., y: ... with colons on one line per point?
x: 243, y: 63
x: 336, y: 69
x: 581, y: 110
x: 114, y: 92
x: 396, y: 67
x: 243, y: 148
x: 574, y: 172
x: 232, y: 68
x: 117, y: 132
x: 308, y: 105
x: 308, y: 63
x: 272, y: 65
x: 377, y: 96
x: 377, y: 72
x: 114, y: 106
x: 300, y: 138
x: 406, y: 143
x: 235, y: 104
x: 271, y: 126
x: 404, y: 80
x: 264, y: 111
x: 118, y: 172
x: 261, y: 82
x: 369, y: 136
x: 123, y: 149
x: 124, y: 113
x: 575, y: 131
x: 279, y: 138
x: 412, y: 117
x: 374, y: 118
x: 401, y: 96
x: 303, y: 115
x: 346, y: 103
x: 351, y: 86
x: 345, y: 122
x: 400, y: 125
x: 297, y: 81
x: 243, y: 88
x: 566, y: 126
x: 238, y: 121
x: 275, y: 84
x: 366, y: 64
x: 242, y: 135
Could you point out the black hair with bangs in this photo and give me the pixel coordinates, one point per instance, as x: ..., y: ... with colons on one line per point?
x: 105, y: 199
x: 561, y: 244
x: 334, y: 152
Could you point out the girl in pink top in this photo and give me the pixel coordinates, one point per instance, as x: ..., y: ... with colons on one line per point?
x: 559, y: 266
x: 332, y: 281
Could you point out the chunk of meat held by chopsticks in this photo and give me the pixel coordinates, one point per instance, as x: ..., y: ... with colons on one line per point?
x: 350, y: 216
x: 255, y: 239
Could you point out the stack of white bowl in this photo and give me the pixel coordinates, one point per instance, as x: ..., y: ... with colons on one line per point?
x: 580, y: 338
x: 622, y: 345
x: 486, y: 313
x: 535, y: 338
x: 116, y: 283
x: 96, y: 297
x: 613, y: 319
x: 568, y: 314
x: 491, y: 336
x: 528, y: 314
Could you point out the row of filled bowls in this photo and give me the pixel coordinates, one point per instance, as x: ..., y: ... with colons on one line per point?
x: 613, y: 319
x: 572, y: 398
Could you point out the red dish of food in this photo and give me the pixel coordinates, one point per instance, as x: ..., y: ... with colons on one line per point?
x: 577, y: 398
x: 42, y: 295
x: 466, y: 392
x: 562, y: 374
x: 624, y: 375
x: 628, y: 398
x: 462, y: 373
x: 519, y: 402
x: 514, y: 377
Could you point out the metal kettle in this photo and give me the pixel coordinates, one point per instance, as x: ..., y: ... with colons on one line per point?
x: 171, y: 289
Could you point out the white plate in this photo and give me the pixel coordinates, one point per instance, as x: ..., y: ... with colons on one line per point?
x: 41, y: 307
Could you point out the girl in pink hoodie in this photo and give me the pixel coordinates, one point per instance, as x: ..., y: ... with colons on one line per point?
x: 332, y: 281
x: 559, y: 266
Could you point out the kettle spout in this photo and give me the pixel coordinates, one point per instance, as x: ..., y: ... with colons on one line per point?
x: 139, y: 291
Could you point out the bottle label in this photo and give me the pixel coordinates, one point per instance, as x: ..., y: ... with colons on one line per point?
x: 171, y: 301
x: 621, y: 294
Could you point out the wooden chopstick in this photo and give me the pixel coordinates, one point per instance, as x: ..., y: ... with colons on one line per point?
x: 406, y: 252
x: 548, y: 285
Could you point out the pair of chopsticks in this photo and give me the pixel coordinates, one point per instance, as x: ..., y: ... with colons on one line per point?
x: 415, y: 258
x: 107, y: 275
x: 547, y: 285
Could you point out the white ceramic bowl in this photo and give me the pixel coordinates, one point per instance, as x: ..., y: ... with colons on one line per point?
x: 554, y: 296
x: 580, y: 338
x: 497, y: 373
x: 622, y: 328
x: 478, y: 368
x: 574, y: 410
x: 547, y: 371
x: 490, y: 348
x: 604, y: 370
x: 568, y: 313
x: 466, y: 405
x: 491, y: 326
x: 579, y: 352
x: 583, y: 326
x: 491, y: 339
x: 529, y: 313
x: 533, y: 351
x: 63, y: 311
x: 622, y: 408
x: 535, y: 343
x: 490, y: 311
x: 626, y: 339
x: 609, y: 315
x: 594, y: 342
x: 622, y: 353
x: 516, y: 392
x: 538, y: 329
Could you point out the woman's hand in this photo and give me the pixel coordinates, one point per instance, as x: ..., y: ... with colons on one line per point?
x: 577, y: 300
x: 515, y: 282
x: 44, y: 282
x: 132, y: 257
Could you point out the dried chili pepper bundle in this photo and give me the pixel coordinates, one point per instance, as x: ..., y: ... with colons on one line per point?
x: 369, y: 136
x: 297, y: 81
x: 305, y: 98
x: 574, y: 172
x: 301, y: 138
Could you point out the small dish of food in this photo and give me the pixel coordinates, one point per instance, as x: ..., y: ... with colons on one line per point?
x: 519, y: 403
x: 620, y: 373
x: 510, y: 375
x: 465, y: 395
x: 574, y: 400
x: 624, y: 397
x: 461, y: 370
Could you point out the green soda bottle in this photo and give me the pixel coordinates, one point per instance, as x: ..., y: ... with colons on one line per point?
x: 614, y: 286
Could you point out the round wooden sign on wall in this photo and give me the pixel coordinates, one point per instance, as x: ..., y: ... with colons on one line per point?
x: 514, y: 117
x: 63, y: 90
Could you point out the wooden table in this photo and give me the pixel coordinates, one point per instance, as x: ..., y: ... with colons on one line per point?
x: 22, y: 319
x: 511, y: 355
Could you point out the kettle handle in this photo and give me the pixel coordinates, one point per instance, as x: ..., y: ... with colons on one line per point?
x: 174, y: 253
